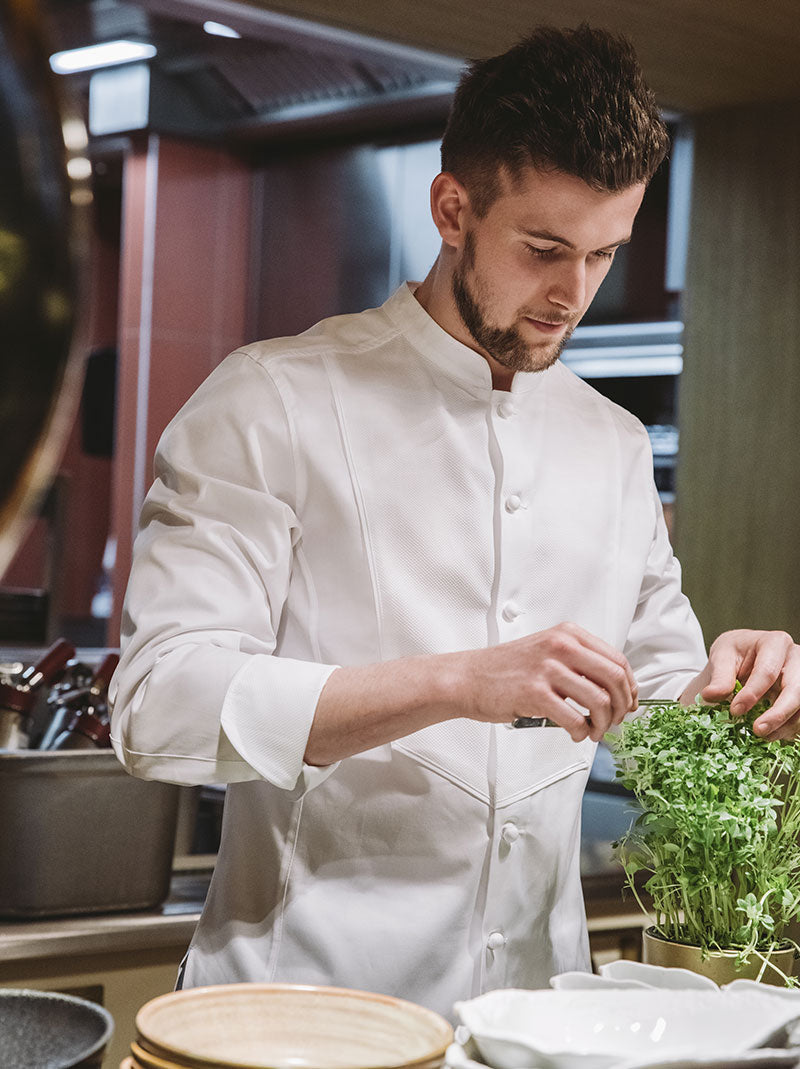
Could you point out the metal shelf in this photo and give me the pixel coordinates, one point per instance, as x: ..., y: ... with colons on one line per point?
x: 626, y: 350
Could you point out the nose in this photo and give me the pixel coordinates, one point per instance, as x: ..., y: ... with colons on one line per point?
x: 567, y: 289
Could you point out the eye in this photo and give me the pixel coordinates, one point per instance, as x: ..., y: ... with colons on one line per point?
x: 541, y: 254
x: 604, y: 254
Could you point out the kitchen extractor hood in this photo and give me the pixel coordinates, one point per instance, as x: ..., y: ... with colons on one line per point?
x: 272, y: 77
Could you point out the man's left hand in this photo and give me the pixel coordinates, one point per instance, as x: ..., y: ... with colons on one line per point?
x: 767, y: 663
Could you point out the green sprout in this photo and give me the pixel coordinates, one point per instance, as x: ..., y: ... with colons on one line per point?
x: 719, y: 830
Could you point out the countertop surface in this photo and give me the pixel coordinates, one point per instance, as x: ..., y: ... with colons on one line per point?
x: 172, y: 923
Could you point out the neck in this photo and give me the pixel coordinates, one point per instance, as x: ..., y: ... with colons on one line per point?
x: 435, y: 294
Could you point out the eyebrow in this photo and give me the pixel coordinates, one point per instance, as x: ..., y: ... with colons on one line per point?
x: 545, y: 235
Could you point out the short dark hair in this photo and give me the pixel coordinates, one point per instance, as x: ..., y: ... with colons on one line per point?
x: 573, y: 101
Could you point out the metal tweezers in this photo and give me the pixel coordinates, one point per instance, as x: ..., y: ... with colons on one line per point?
x: 546, y: 722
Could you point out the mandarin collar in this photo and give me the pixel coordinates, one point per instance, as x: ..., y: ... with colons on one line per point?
x: 460, y: 363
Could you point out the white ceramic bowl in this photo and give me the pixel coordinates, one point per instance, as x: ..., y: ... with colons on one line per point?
x: 657, y: 976
x: 595, y: 1029
x: 288, y: 1026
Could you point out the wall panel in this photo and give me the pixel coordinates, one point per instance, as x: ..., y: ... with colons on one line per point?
x: 738, y: 523
x: 184, y: 287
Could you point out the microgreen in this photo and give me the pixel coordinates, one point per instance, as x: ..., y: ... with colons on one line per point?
x: 719, y: 830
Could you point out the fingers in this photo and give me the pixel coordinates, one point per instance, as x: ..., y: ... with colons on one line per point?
x: 780, y: 721
x: 755, y: 658
x: 767, y: 663
x: 775, y: 728
x: 592, y: 674
x: 771, y: 651
x: 538, y: 676
x: 603, y: 690
x: 723, y: 668
x: 606, y: 651
x: 577, y: 725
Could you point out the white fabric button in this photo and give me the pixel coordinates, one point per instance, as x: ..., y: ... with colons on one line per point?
x: 496, y: 940
x: 509, y: 832
x: 513, y: 502
x: 506, y: 409
x: 510, y: 612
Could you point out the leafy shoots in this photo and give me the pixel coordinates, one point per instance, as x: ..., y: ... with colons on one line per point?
x: 720, y: 828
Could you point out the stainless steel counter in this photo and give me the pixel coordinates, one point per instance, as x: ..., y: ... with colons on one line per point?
x: 173, y: 923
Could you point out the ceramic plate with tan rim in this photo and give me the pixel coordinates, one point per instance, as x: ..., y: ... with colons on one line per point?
x: 290, y: 1026
x: 142, y: 1059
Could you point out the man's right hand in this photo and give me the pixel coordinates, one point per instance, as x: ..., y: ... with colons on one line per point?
x: 365, y: 706
x: 533, y: 676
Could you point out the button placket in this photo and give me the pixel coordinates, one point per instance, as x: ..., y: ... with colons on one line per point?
x: 512, y: 528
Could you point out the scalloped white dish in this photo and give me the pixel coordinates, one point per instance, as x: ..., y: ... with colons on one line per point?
x: 588, y: 981
x: 597, y: 1029
x: 657, y: 976
x: 458, y: 1058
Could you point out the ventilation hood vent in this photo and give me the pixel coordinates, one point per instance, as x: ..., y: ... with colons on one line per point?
x: 282, y: 77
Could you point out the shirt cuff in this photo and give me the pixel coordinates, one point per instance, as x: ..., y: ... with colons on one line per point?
x: 267, y: 715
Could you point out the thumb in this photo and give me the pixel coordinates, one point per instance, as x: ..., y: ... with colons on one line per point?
x: 723, y: 665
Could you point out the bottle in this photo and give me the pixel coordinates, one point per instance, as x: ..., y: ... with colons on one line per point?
x: 84, y: 731
x: 87, y: 727
x: 17, y: 698
x: 98, y: 688
x: 65, y: 696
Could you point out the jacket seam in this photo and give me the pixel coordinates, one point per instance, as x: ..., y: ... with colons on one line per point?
x: 366, y: 533
x: 277, y: 930
x: 483, y: 796
x: 179, y: 756
x: 322, y: 346
x: 289, y: 427
x: 548, y: 781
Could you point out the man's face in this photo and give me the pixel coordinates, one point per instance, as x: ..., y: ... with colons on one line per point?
x: 528, y: 270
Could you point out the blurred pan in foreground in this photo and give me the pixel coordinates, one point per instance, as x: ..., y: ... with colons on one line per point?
x: 44, y: 201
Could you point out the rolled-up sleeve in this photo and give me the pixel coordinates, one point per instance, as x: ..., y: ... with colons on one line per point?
x: 199, y: 695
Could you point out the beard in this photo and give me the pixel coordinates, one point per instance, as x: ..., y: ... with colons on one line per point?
x: 506, y: 345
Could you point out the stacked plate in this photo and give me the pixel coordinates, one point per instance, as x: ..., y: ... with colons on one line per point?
x: 286, y: 1026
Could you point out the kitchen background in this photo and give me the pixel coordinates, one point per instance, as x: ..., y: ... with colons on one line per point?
x: 252, y: 176
x: 247, y: 186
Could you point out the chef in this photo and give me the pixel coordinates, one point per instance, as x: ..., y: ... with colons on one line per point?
x: 369, y: 548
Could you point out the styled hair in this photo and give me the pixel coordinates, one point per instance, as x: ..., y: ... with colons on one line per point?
x: 573, y: 101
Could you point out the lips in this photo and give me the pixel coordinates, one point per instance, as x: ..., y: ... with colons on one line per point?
x: 547, y: 328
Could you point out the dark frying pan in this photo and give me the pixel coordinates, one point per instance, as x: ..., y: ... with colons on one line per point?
x: 46, y: 1030
x: 43, y: 222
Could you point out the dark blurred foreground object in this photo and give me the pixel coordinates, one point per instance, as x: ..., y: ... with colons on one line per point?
x: 42, y: 1028
x: 98, y: 402
x: 17, y: 696
x: 23, y: 616
x: 81, y: 719
x: 44, y: 196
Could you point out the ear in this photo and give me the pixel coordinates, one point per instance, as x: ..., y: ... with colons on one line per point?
x: 449, y: 208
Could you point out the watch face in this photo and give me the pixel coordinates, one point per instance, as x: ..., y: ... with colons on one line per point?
x: 44, y: 201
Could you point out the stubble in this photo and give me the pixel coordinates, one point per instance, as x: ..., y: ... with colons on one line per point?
x: 505, y: 344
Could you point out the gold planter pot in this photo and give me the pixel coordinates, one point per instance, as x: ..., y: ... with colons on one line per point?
x: 719, y: 965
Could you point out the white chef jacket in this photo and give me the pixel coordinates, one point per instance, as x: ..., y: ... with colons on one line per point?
x: 356, y: 494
